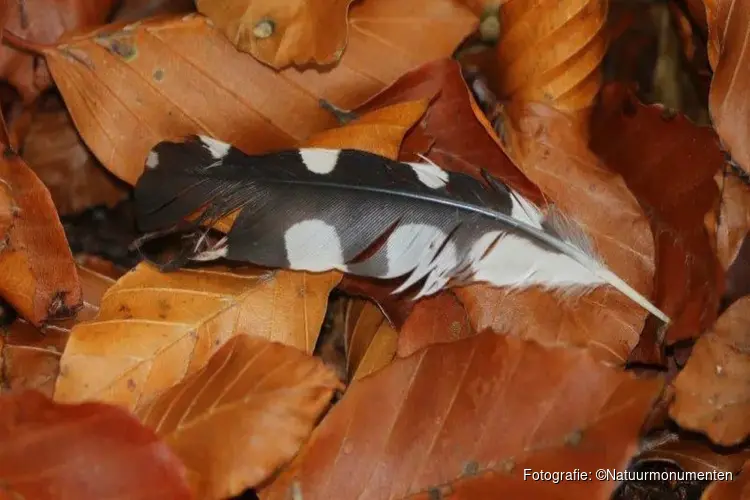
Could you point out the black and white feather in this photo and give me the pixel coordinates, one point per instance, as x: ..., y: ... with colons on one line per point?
x: 360, y: 213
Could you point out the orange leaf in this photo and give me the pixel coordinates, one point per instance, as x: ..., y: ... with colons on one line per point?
x: 82, y: 451
x: 551, y: 51
x: 154, y: 328
x: 242, y: 416
x: 43, y: 21
x: 739, y: 489
x: 30, y: 357
x: 734, y: 219
x: 170, y: 90
x: 280, y: 34
x: 711, y: 392
x: 729, y: 50
x: 489, y: 405
x: 370, y: 340
x: 39, y: 275
x: 54, y: 150
x: 673, y: 180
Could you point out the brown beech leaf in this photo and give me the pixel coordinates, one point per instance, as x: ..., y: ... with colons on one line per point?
x: 459, y: 137
x: 445, y: 412
x: 245, y: 414
x: 154, y: 328
x: 673, y: 180
x: 712, y: 392
x: 551, y: 52
x: 734, y: 218
x: 440, y: 318
x: 283, y: 33
x: 39, y: 274
x: 370, y: 339
x: 729, y: 54
x: 170, y: 90
x: 738, y: 489
x: 552, y: 151
x: 82, y: 451
x: 43, y: 21
x: 30, y: 357
x: 53, y: 149
x: 6, y: 209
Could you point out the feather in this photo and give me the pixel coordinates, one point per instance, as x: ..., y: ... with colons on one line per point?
x: 360, y: 213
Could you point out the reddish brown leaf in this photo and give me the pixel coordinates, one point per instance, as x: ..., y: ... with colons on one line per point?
x: 84, y: 451
x: 712, y: 393
x: 170, y: 92
x: 134, y: 10
x: 43, y: 21
x: 242, y: 416
x: 154, y: 328
x: 39, y: 275
x: 739, y: 489
x: 673, y: 179
x: 734, y: 218
x: 53, y: 149
x: 441, y: 318
x: 30, y: 357
x: 551, y: 51
x: 487, y: 405
x: 729, y: 32
x: 552, y: 151
x: 280, y: 34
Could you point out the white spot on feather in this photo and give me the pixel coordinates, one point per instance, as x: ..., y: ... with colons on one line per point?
x: 319, y: 160
x: 152, y: 161
x: 313, y: 245
x: 525, y: 211
x: 218, y: 149
x: 430, y: 175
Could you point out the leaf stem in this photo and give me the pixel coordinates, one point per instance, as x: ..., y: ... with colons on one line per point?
x: 16, y: 42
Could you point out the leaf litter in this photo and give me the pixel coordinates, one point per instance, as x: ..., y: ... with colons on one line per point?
x: 207, y: 382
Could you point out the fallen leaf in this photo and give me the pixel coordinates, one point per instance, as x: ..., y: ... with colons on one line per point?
x: 729, y: 29
x: 40, y: 279
x: 551, y: 150
x: 154, y: 329
x: 51, y: 450
x: 6, y: 210
x: 135, y: 10
x: 738, y: 489
x: 53, y: 149
x: 673, y: 180
x: 444, y: 413
x: 244, y: 415
x: 440, y: 318
x: 30, y: 357
x: 280, y: 34
x: 712, y: 392
x: 172, y: 92
x: 734, y: 218
x: 42, y: 22
x: 551, y: 52
x: 370, y: 340
x: 738, y: 275
x: 460, y: 138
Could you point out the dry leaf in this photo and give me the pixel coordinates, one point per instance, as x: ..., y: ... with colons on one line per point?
x: 734, y: 218
x: 445, y: 412
x: 672, y: 178
x: 441, y: 318
x: 739, y: 489
x: 241, y: 417
x: 82, y: 451
x: 154, y: 329
x: 30, y: 357
x: 43, y: 21
x: 551, y: 51
x: 135, y: 10
x: 53, y: 149
x: 370, y: 340
x: 712, y: 393
x: 40, y: 279
x: 553, y: 153
x: 170, y: 91
x: 729, y: 33
x: 283, y: 33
